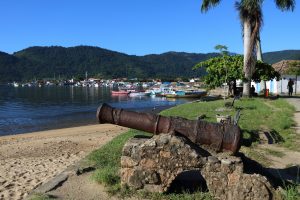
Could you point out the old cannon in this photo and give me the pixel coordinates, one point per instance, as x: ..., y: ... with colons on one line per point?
x: 220, y: 137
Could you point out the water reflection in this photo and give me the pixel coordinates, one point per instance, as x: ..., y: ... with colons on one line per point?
x: 27, y: 109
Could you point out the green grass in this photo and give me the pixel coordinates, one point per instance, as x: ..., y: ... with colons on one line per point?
x: 183, y: 196
x: 258, y: 156
x: 273, y: 115
x: 279, y: 154
x: 291, y: 193
x: 107, y: 159
x: 41, y: 197
x: 256, y: 113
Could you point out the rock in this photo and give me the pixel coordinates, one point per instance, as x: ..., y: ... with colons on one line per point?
x: 226, y: 161
x: 127, y: 162
x: 161, y: 158
x: 213, y: 159
x: 153, y: 164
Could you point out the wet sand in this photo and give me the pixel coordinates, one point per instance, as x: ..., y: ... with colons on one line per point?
x: 28, y: 160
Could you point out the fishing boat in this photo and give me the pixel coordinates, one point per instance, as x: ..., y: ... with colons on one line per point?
x: 120, y: 92
x: 96, y: 84
x: 164, y: 91
x: 15, y: 84
x: 187, y: 94
x: 138, y: 94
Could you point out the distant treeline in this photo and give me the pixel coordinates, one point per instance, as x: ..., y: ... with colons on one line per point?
x: 55, y: 61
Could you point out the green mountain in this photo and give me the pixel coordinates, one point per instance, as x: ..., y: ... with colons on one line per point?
x: 276, y: 56
x: 9, y: 66
x: 47, y: 62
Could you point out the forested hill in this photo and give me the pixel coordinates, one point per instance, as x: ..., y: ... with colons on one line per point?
x: 47, y: 62
x: 276, y: 56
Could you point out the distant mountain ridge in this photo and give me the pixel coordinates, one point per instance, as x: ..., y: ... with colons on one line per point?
x: 276, y: 56
x: 48, y: 62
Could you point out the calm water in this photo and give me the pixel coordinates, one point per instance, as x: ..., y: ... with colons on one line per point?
x: 25, y: 109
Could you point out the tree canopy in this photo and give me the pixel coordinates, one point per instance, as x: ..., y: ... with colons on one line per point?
x: 264, y: 72
x: 226, y: 68
x: 294, y: 68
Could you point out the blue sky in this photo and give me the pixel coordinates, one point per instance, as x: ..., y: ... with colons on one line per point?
x: 139, y: 27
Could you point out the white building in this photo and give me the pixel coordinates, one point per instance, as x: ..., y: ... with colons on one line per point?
x: 280, y: 87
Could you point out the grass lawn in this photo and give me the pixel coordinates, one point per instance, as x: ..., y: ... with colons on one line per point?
x: 274, y: 116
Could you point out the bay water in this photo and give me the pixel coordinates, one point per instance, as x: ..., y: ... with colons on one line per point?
x: 28, y: 109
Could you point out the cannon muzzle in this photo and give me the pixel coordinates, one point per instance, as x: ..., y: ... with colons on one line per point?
x: 220, y: 137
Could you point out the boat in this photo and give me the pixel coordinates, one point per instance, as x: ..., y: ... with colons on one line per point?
x: 138, y: 94
x: 15, y: 84
x: 164, y: 91
x: 150, y: 93
x: 187, y: 94
x: 120, y: 92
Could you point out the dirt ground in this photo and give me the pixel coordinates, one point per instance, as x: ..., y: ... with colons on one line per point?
x: 29, y: 160
x: 81, y: 187
x: 289, y: 157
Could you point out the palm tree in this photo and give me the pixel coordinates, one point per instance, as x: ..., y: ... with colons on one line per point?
x: 251, y: 18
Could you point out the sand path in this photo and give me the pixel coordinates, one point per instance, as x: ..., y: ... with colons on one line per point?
x: 286, y: 165
x: 28, y: 160
x: 290, y: 157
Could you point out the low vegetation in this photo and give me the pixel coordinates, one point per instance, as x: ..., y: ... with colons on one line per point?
x: 275, y: 116
x: 41, y: 197
x: 275, y: 153
x: 107, y: 159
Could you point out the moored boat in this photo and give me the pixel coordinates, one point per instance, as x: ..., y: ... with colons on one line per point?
x: 120, y: 92
x: 137, y: 94
x: 15, y: 84
x: 187, y: 94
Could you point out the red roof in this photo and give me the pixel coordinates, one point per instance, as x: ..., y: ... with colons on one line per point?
x: 283, y: 66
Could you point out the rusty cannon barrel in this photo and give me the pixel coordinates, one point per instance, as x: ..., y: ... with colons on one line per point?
x: 220, y: 137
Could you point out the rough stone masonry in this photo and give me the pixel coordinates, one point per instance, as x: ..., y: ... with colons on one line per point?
x: 153, y: 164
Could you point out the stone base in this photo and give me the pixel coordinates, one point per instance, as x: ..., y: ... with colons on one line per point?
x: 153, y: 164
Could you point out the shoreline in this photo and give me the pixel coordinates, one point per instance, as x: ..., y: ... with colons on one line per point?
x: 90, y: 122
x: 27, y: 160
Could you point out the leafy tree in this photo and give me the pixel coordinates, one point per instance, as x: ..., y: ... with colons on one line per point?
x: 251, y: 19
x: 218, y: 73
x: 264, y: 72
x: 222, y: 48
x: 294, y: 68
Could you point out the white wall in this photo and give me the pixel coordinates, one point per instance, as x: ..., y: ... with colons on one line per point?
x: 280, y: 87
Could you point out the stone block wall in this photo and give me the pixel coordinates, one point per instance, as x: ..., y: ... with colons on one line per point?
x: 153, y: 164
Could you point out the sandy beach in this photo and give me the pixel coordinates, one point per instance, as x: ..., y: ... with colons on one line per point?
x: 28, y: 160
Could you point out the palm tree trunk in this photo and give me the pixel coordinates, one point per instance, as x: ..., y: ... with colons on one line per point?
x: 247, y: 59
x: 259, y: 57
x: 258, y: 48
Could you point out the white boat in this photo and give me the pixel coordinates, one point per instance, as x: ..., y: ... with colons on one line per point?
x: 150, y: 93
x: 137, y: 94
x: 78, y: 84
x: 15, y: 84
x: 166, y: 91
